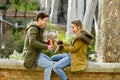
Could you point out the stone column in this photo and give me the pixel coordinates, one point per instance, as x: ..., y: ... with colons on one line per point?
x: 48, y: 6
x: 75, y: 11
x: 45, y: 5
x: 54, y: 11
x: 89, y: 14
x: 42, y: 4
x: 108, y: 38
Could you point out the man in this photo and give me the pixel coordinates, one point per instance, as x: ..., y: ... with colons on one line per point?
x: 34, y: 45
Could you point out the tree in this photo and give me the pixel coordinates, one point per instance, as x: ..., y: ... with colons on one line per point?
x: 5, y: 6
x: 89, y: 14
x: 17, y: 5
x: 25, y: 3
x: 75, y: 11
x: 108, y: 38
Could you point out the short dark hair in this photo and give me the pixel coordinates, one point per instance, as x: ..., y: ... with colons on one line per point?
x: 41, y: 15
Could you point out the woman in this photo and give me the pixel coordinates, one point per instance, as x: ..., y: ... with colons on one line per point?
x: 75, y: 55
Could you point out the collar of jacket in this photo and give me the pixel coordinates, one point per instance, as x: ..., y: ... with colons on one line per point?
x: 34, y: 24
x: 84, y: 36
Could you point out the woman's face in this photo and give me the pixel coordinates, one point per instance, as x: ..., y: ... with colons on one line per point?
x: 74, y: 28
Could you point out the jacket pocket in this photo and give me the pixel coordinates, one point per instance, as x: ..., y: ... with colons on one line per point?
x: 29, y: 61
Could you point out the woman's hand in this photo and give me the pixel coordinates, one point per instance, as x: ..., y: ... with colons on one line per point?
x: 59, y: 48
x: 59, y: 42
x: 56, y: 49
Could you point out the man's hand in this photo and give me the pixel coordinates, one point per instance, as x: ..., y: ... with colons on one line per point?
x: 50, y: 47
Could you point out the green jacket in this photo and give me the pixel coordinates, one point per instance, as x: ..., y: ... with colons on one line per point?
x: 78, y: 50
x: 33, y: 45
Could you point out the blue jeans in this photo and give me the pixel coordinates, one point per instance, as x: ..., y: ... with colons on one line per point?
x: 62, y: 60
x: 45, y: 62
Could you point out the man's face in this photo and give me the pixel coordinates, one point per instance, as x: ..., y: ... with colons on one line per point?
x: 43, y: 22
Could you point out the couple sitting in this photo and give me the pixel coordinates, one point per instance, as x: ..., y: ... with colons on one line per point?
x: 75, y: 55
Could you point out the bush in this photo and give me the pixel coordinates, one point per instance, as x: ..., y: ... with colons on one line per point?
x: 8, y: 40
x: 91, y: 54
x: 19, y: 40
x: 12, y: 41
x: 16, y: 55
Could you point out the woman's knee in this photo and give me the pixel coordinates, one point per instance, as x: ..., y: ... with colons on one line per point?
x: 55, y: 67
x: 52, y: 58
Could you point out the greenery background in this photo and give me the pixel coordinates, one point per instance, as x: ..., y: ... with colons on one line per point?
x: 14, y: 38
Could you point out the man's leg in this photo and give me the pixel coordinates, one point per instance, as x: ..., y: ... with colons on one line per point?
x: 46, y: 63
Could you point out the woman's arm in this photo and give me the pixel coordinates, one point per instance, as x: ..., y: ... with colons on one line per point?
x: 66, y: 44
x: 73, y: 48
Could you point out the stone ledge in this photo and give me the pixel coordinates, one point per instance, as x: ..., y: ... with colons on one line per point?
x: 13, y: 64
x: 92, y: 67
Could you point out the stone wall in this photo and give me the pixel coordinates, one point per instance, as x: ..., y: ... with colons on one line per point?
x: 14, y: 70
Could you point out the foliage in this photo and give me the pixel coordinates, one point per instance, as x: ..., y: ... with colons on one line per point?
x: 19, y: 40
x: 16, y: 55
x: 12, y: 41
x: 91, y: 54
x: 61, y: 36
x: 61, y: 33
x: 5, y: 5
x: 19, y: 43
x: 49, y: 52
x: 25, y: 4
x: 2, y: 7
x: 8, y: 39
x: 31, y: 7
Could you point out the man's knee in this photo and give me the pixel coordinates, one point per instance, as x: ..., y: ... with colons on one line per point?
x: 49, y: 65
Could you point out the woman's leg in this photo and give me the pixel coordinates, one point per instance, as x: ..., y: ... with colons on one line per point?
x: 45, y: 62
x: 57, y: 57
x: 57, y: 67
